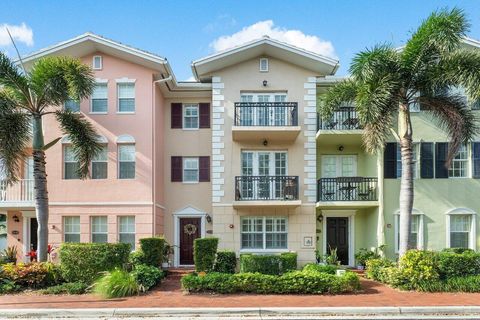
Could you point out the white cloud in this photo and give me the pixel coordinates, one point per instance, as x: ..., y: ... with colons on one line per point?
x: 20, y: 33
x: 267, y: 27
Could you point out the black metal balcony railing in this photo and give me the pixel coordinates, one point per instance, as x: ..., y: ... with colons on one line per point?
x: 254, y: 188
x: 345, y: 118
x: 347, y: 189
x: 272, y: 114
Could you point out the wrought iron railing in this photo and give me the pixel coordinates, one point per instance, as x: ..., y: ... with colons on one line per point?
x: 271, y: 114
x: 347, y: 189
x: 254, y: 188
x: 20, y: 191
x: 345, y: 118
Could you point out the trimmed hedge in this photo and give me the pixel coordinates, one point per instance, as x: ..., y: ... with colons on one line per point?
x: 204, y: 253
x: 268, y: 264
x: 301, y: 282
x: 328, y: 268
x: 451, y: 264
x: 84, y: 262
x: 226, y: 262
x: 152, y: 249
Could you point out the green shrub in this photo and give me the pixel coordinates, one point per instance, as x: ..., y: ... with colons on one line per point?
x: 291, y: 282
x: 288, y: 261
x: 152, y: 249
x: 136, y: 257
x: 204, y: 252
x: 374, y: 267
x: 363, y: 255
x: 312, y: 267
x: 457, y: 284
x: 68, y: 288
x: 457, y: 250
x: 30, y: 275
x: 8, y: 286
x: 265, y: 264
x: 146, y: 276
x: 226, y: 262
x: 115, y: 284
x: 417, y: 266
x: 451, y: 264
x: 85, y: 261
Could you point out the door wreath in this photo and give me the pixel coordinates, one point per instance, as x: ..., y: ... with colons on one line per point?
x: 190, y: 229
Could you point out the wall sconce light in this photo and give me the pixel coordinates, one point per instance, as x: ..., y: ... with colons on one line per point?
x: 265, y: 142
x: 265, y: 82
x: 230, y: 226
x: 341, y: 148
x: 16, y: 218
x: 320, y: 218
x: 53, y: 226
x: 208, y: 218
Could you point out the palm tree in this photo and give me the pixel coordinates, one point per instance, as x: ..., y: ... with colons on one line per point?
x: 386, y: 81
x: 26, y: 97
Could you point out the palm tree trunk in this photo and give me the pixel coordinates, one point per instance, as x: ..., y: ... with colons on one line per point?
x: 406, y: 182
x: 41, y: 193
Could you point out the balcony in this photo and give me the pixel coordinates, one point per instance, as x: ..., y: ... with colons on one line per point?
x: 17, y: 195
x: 344, y: 124
x: 347, y: 192
x: 262, y: 191
x: 273, y: 121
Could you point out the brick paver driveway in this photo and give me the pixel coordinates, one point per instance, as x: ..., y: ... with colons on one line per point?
x: 170, y: 295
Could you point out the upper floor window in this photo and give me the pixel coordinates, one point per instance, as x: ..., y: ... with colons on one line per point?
x: 72, y: 105
x: 70, y: 163
x: 100, y: 98
x: 190, y: 170
x: 190, y: 116
x: 97, y: 63
x: 126, y: 161
x: 414, y: 160
x: 459, y: 165
x: 263, y: 64
x: 99, y: 164
x: 126, y: 97
x: 71, y: 229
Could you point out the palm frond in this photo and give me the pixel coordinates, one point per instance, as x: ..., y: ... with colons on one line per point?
x: 13, y: 79
x: 341, y: 93
x: 83, y: 137
x: 453, y: 115
x: 375, y: 134
x: 375, y: 63
x: 57, y: 79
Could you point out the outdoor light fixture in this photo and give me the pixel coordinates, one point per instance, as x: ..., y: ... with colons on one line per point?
x: 340, y: 148
x: 16, y: 218
x: 208, y: 218
x: 265, y: 142
x: 265, y: 82
x: 320, y: 218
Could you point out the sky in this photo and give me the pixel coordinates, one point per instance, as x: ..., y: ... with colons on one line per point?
x: 184, y: 31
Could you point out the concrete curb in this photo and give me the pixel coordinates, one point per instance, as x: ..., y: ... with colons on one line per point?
x: 421, y: 312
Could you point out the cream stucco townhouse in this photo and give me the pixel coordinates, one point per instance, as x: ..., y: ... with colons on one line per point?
x: 238, y: 154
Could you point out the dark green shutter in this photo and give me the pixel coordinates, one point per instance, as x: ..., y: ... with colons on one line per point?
x: 426, y: 160
x: 441, y: 152
x: 476, y: 159
x: 390, y: 161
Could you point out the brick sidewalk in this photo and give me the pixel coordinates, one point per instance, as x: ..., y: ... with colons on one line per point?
x: 170, y: 295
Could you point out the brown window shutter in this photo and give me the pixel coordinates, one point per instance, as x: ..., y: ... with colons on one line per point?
x: 176, y: 113
x: 204, y: 169
x: 204, y: 115
x: 177, y: 169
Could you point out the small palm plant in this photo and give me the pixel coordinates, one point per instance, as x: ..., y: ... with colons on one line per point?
x: 386, y: 81
x: 26, y: 98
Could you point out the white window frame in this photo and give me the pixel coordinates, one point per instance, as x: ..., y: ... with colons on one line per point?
x: 184, y: 161
x: 100, y: 161
x: 73, y: 233
x: 264, y: 234
x: 416, y: 160
x: 130, y: 232
x: 132, y: 83
x: 100, y: 58
x: 467, y: 160
x: 338, y: 159
x: 472, y: 240
x: 271, y: 161
x: 255, y: 115
x: 99, y: 82
x: 92, y: 218
x: 185, y: 106
x: 420, y: 231
x: 69, y: 146
x: 119, y: 145
x: 261, y: 61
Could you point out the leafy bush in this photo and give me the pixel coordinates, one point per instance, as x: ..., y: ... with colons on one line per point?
x: 374, y: 267
x: 417, y: 266
x: 226, y: 262
x: 452, y: 264
x: 7, y: 286
x: 147, y: 276
x: 363, y: 255
x: 152, y: 249
x: 86, y: 261
x: 291, y: 282
x: 204, y: 252
x: 68, y: 288
x: 136, y: 257
x: 288, y: 261
x: 265, y: 264
x: 457, y: 284
x: 30, y: 275
x: 115, y: 284
x: 312, y: 267
x: 458, y: 250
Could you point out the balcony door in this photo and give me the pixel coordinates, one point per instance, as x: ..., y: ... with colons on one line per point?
x: 263, y: 115
x: 262, y: 166
x: 334, y: 166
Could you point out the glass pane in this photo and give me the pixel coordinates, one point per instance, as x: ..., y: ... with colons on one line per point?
x: 99, y: 170
x: 71, y: 170
x: 190, y: 175
x: 252, y: 241
x: 100, y: 91
x: 68, y: 154
x: 276, y: 241
x: 99, y: 105
x: 329, y: 166
x: 99, y: 224
x: 126, y: 152
x: 100, y: 238
x: 460, y: 223
x: 128, y: 238
x: 127, y: 224
x: 126, y: 170
x: 72, y: 105
x: 102, y: 155
x: 190, y: 163
x: 72, y: 237
x: 126, y: 90
x: 126, y: 105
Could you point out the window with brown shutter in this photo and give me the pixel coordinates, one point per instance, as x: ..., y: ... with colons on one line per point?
x: 177, y: 169
x: 204, y: 115
x: 204, y: 169
x: 176, y: 116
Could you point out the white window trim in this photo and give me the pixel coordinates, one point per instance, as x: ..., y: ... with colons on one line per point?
x: 79, y: 232
x: 472, y: 241
x: 91, y: 228
x: 102, y: 82
x: 350, y: 214
x: 64, y: 162
x: 338, y: 160
x: 260, y: 65
x: 184, y: 105
x: 104, y: 145
x: 126, y: 81
x: 420, y: 234
x: 271, y: 165
x: 187, y: 212
x: 264, y: 235
x: 469, y: 165
x: 134, y: 229
x: 93, y: 63
x: 183, y: 170
x: 120, y: 144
